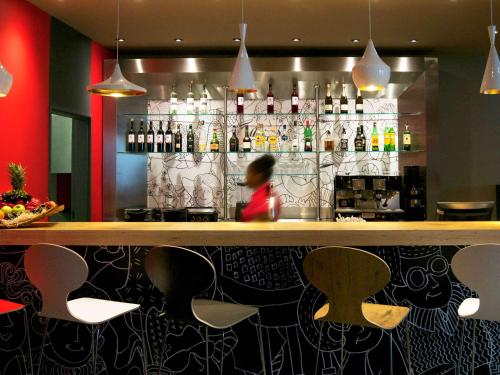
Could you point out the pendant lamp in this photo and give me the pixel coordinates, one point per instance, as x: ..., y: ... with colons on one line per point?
x: 491, y: 77
x: 116, y: 85
x: 6, y: 80
x: 371, y: 73
x: 242, y: 78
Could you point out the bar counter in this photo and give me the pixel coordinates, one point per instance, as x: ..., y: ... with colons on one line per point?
x: 256, y: 234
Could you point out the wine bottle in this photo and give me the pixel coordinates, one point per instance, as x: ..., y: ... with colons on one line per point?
x: 363, y: 137
x: 328, y: 99
x: 344, y: 103
x: 190, y: 100
x: 160, y: 139
x: 190, y: 139
x: 308, y: 145
x: 150, y: 138
x: 214, y: 143
x: 131, y: 139
x: 204, y: 101
x: 407, y: 138
x: 169, y: 139
x: 178, y: 139
x: 234, y: 143
x: 295, y: 138
x: 173, y: 101
x: 247, y: 142
x: 270, y: 100
x: 358, y: 141
x: 328, y: 143
x: 141, y: 138
x: 375, y: 137
x: 359, y: 103
x: 344, y: 142
x: 240, y: 103
x: 295, y: 99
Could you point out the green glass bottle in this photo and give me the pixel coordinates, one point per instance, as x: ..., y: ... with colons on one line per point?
x: 308, y: 136
x: 375, y: 138
x: 387, y: 139
x: 392, y: 139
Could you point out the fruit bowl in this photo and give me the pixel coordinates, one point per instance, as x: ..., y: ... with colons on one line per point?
x: 27, y: 217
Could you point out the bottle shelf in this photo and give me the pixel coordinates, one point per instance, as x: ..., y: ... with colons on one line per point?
x: 399, y: 114
x: 323, y: 115
x: 279, y: 174
x: 274, y: 152
x: 375, y: 152
x: 170, y: 153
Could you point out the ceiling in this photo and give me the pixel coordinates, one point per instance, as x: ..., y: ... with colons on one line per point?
x: 152, y: 25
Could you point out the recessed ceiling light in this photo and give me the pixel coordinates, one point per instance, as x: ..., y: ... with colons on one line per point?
x: 356, y: 40
x: 178, y: 40
x: 236, y: 40
x: 296, y: 40
x: 413, y: 41
x: 121, y: 40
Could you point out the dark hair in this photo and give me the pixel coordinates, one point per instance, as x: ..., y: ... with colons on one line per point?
x: 263, y: 165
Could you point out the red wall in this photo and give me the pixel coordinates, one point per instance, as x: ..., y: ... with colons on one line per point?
x: 24, y: 113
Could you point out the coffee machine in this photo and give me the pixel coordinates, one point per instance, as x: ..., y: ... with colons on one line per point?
x: 373, y: 198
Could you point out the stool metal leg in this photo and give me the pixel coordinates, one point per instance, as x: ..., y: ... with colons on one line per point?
x: 342, y: 351
x: 390, y: 354
x: 321, y: 323
x: 27, y: 333
x: 261, y: 345
x: 144, y: 347
x: 163, y: 347
x: 222, y: 355
x: 474, y: 327
x: 408, y: 348
x: 460, y: 354
x: 206, y: 349
x: 43, y: 345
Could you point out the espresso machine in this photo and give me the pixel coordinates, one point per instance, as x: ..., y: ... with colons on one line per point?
x: 373, y: 198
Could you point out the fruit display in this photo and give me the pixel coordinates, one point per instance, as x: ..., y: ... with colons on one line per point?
x: 18, y: 208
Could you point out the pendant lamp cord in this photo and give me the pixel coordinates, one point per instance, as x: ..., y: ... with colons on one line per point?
x: 117, y: 27
x: 491, y: 11
x: 242, y: 12
x: 370, y: 18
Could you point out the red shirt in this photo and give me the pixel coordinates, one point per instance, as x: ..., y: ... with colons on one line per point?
x: 259, y: 204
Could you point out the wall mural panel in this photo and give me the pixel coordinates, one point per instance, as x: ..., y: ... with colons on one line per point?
x: 271, y: 278
x: 176, y: 181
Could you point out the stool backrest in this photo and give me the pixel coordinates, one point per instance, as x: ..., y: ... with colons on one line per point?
x: 478, y: 267
x: 55, y: 271
x: 347, y: 276
x: 180, y: 274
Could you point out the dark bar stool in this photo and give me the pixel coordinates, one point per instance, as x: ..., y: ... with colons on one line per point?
x: 57, y: 271
x: 181, y: 274
x: 348, y: 277
x: 465, y: 211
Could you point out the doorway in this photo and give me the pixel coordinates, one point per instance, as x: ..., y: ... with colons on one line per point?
x: 69, y: 175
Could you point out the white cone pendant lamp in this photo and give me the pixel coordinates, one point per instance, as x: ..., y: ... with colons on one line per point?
x: 371, y: 73
x: 116, y: 85
x: 6, y: 80
x: 491, y: 77
x: 242, y: 78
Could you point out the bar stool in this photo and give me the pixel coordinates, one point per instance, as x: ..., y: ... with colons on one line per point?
x: 7, y: 307
x: 56, y: 271
x: 348, y: 276
x: 478, y: 268
x: 181, y: 274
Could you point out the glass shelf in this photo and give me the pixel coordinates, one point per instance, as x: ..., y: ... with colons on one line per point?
x: 274, y: 152
x: 374, y: 152
x: 399, y: 114
x: 340, y: 115
x: 146, y: 115
x: 170, y: 153
x: 291, y: 174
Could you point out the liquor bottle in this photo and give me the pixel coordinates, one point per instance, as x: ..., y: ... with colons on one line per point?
x: 375, y: 138
x: 160, y: 139
x: 328, y: 99
x: 169, y: 141
x: 359, y: 103
x: 358, y: 141
x: 234, y: 143
x: 201, y: 143
x: 131, y: 137
x: 328, y: 143
x: 141, y: 135
x: 270, y: 100
x: 190, y: 100
x: 150, y: 138
x: 363, y: 137
x: 344, y: 142
x: 387, y: 139
x: 308, y: 142
x: 344, y: 103
x: 406, y: 138
x: 173, y: 101
x: 247, y: 142
x: 190, y: 139
x: 260, y: 138
x: 178, y: 139
x: 285, y: 140
x: 204, y: 101
x: 273, y: 140
x: 295, y: 138
x: 295, y: 99
x: 240, y: 103
x: 214, y: 143
x: 392, y: 138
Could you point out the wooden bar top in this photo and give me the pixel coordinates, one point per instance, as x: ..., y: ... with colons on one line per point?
x: 258, y: 234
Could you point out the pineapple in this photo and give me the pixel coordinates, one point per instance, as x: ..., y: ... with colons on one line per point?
x: 17, y: 176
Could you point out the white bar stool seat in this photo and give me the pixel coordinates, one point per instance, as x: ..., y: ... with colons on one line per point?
x: 221, y: 315
x: 98, y: 311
